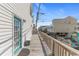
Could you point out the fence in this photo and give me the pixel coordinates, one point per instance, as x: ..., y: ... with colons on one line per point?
x: 58, y: 48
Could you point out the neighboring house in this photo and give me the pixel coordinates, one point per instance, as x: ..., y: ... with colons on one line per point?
x: 48, y: 28
x: 15, y: 27
x: 65, y: 25
x: 42, y: 28
x: 77, y: 27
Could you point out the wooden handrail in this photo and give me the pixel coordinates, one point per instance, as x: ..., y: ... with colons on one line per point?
x: 58, y: 48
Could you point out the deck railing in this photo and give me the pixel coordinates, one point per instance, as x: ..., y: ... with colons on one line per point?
x: 57, y: 47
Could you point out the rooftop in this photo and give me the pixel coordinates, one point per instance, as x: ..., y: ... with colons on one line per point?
x: 68, y: 17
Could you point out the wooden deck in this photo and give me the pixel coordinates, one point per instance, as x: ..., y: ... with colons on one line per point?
x: 35, y: 46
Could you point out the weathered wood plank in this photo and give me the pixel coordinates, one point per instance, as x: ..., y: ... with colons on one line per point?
x: 35, y: 46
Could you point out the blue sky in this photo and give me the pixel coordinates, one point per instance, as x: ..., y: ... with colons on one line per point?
x: 55, y: 10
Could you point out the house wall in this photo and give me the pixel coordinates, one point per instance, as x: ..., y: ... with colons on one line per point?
x: 7, y: 11
x: 60, y: 26
x: 65, y: 25
x: 77, y: 27
x: 71, y: 24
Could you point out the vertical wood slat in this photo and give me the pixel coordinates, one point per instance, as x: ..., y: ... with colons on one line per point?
x: 53, y: 48
x: 65, y: 53
x: 62, y: 51
x: 58, y: 50
x: 49, y: 43
x: 68, y: 53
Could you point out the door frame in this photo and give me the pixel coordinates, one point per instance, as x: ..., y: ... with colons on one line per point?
x: 13, y: 49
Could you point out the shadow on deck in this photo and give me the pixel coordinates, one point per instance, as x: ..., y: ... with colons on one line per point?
x: 24, y: 52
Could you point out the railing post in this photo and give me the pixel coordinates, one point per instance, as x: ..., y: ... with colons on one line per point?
x: 53, y: 49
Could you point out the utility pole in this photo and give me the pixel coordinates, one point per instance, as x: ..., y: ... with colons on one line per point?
x: 37, y: 17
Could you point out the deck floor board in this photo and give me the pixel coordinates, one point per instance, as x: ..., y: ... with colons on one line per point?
x: 35, y: 46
